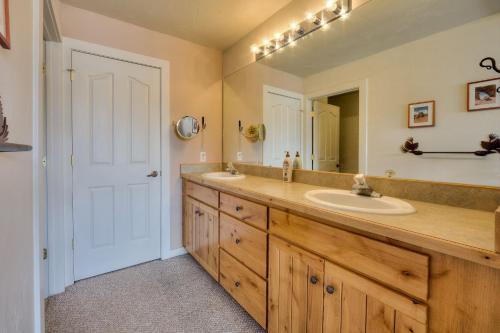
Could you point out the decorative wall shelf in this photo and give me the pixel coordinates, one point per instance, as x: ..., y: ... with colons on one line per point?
x: 13, y: 147
x: 491, y: 146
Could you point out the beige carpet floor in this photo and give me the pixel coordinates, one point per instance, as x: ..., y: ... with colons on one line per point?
x: 175, y: 295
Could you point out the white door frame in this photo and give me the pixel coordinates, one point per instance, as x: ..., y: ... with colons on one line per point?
x: 337, y: 89
x: 60, y: 180
x: 291, y: 94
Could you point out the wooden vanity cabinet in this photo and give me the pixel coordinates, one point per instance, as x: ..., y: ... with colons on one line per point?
x: 296, y: 274
x: 201, y: 234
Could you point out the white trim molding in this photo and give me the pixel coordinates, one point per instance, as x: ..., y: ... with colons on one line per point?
x: 337, y: 89
x: 38, y: 180
x: 60, y: 147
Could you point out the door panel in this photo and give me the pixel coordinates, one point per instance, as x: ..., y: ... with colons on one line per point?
x: 206, y: 238
x: 326, y: 137
x: 355, y: 304
x: 295, y: 289
x: 283, y: 118
x: 116, y: 144
x: 188, y: 225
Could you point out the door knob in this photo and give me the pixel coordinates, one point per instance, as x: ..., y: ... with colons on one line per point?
x: 314, y: 280
x: 153, y: 174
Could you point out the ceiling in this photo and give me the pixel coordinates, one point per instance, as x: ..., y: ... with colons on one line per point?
x: 376, y: 26
x: 213, y: 23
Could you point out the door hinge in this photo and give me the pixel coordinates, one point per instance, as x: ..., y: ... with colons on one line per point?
x: 45, y: 254
x: 71, y: 74
x: 312, y: 157
x: 44, y: 161
x: 44, y: 69
x: 72, y: 160
x: 73, y: 243
x: 313, y: 114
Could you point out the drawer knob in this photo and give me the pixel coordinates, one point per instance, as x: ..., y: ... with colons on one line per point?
x: 237, y: 241
x: 239, y: 208
x: 236, y: 284
x: 330, y: 289
x: 314, y: 279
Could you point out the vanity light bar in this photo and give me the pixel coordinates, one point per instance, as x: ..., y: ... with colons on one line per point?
x: 334, y: 10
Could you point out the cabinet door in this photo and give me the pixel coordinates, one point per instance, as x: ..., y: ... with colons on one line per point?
x: 206, y: 238
x: 354, y: 304
x: 190, y: 207
x: 295, y: 299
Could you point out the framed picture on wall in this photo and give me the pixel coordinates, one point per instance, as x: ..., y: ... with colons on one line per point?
x: 422, y: 114
x: 4, y: 24
x: 483, y: 95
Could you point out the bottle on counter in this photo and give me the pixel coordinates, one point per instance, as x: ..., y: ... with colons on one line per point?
x: 297, y: 161
x: 287, y: 168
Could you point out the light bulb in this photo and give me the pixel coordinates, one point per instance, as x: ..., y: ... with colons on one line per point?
x: 309, y: 16
x: 265, y: 41
x: 331, y: 3
x: 255, y: 48
x: 294, y: 26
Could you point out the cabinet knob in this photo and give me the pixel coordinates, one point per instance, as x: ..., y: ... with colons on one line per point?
x: 239, y: 208
x: 314, y: 279
x: 330, y: 289
x: 236, y: 284
x: 237, y: 241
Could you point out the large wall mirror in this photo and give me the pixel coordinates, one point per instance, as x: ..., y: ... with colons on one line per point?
x: 348, y: 96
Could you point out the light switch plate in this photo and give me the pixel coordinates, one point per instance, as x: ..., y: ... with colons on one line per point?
x: 239, y: 156
x: 203, y: 156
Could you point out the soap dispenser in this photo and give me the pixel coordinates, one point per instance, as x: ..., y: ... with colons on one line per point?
x: 297, y: 161
x: 287, y: 168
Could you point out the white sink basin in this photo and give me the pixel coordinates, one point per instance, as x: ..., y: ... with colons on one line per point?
x: 345, y: 200
x: 223, y: 175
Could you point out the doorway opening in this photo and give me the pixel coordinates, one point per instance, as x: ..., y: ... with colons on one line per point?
x: 335, y: 132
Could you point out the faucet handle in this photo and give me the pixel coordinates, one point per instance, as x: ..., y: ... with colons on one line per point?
x: 360, y: 179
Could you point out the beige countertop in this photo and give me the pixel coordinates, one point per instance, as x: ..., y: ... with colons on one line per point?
x: 460, y: 232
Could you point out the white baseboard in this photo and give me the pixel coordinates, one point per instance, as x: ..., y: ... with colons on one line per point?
x: 174, y: 253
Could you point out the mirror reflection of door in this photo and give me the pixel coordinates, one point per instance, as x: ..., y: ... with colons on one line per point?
x: 283, y: 118
x: 336, y: 133
x: 327, y: 136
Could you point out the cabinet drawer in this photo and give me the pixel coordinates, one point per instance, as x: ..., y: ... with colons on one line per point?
x: 244, y: 210
x: 246, y: 287
x: 393, y: 266
x: 246, y: 243
x: 203, y: 194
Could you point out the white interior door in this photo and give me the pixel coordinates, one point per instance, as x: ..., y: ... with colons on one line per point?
x: 326, y: 137
x: 116, y: 147
x: 283, y: 118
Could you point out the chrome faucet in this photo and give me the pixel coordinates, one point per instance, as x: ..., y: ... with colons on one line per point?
x: 361, y: 187
x: 231, y: 169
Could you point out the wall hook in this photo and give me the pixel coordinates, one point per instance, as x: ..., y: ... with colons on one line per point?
x: 240, y: 128
x: 203, y: 123
x: 490, y: 64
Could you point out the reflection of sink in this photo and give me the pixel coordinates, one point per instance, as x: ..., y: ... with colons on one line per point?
x: 222, y: 176
x: 345, y: 200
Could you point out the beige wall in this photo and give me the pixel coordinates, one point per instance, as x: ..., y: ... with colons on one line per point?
x: 195, y: 86
x: 349, y: 130
x: 243, y: 100
x: 438, y: 68
x: 239, y: 55
x: 16, y: 181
